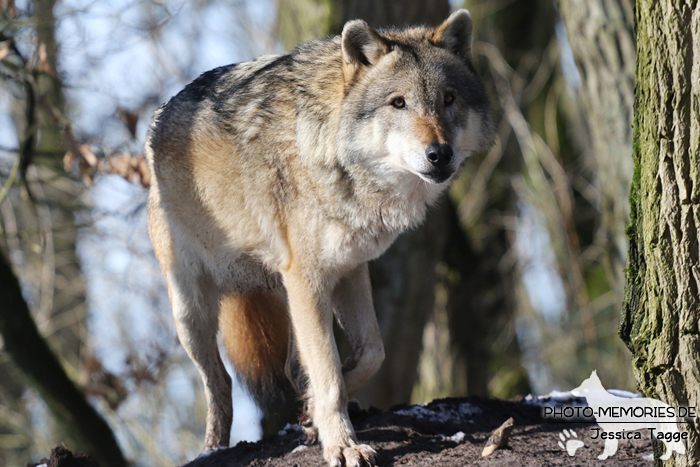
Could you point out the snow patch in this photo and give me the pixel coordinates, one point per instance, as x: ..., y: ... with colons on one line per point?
x: 206, y: 453
x: 623, y: 393
x: 555, y: 399
x: 289, y: 428
x: 441, y: 412
x: 455, y: 438
x: 561, y: 398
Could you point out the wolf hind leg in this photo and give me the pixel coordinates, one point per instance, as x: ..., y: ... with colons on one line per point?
x: 255, y: 331
x: 609, y: 449
x: 297, y: 377
x: 195, y: 308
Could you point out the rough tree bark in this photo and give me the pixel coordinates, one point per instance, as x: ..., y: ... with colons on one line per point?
x: 659, y: 321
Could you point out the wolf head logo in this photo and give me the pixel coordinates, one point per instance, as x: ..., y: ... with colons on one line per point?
x: 603, y: 404
x: 589, y: 385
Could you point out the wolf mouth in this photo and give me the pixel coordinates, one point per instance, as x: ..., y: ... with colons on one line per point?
x: 436, y: 176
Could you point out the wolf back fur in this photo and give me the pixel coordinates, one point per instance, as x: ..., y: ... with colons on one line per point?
x: 275, y: 181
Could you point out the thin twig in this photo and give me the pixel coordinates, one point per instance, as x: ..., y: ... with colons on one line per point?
x: 48, y: 269
x: 8, y: 184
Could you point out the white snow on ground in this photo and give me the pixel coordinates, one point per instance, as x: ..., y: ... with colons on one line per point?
x: 623, y: 393
x: 441, y: 412
x: 556, y: 398
x: 560, y: 398
x: 206, y: 453
x: 455, y: 438
x: 289, y: 427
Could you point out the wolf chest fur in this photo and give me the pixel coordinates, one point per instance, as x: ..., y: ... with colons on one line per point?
x: 275, y: 181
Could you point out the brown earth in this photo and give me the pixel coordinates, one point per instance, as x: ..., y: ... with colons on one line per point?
x: 416, y: 436
x: 62, y: 457
x: 420, y: 441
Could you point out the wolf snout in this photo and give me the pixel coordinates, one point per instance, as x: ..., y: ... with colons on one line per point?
x: 439, y: 155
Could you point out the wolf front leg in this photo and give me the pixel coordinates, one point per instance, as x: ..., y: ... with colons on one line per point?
x: 196, y: 309
x: 352, y: 304
x: 312, y: 321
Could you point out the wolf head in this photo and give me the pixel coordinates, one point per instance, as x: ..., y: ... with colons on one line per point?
x: 413, y: 104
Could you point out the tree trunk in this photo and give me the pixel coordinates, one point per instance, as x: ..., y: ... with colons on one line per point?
x: 33, y: 356
x: 65, y: 303
x: 601, y: 36
x: 659, y: 321
x: 43, y: 229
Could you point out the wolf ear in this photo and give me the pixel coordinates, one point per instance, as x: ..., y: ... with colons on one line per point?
x: 455, y: 34
x: 361, y: 47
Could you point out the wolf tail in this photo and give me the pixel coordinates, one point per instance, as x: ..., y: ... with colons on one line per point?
x: 255, y: 329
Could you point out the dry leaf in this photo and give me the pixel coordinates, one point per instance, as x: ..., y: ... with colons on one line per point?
x: 88, y: 158
x: 4, y: 49
x: 43, y: 63
x: 132, y: 167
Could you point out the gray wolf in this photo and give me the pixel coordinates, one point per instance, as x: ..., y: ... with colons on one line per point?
x: 275, y: 181
x: 608, y: 408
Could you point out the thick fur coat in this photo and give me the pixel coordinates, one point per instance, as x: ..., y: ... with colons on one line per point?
x: 275, y: 181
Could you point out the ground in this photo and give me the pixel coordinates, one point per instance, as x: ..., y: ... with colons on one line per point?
x: 425, y: 436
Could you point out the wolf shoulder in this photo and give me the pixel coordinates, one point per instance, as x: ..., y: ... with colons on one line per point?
x: 216, y: 100
x: 242, y: 100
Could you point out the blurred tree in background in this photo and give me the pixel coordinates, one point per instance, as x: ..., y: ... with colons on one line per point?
x: 65, y: 124
x: 513, y: 284
x: 601, y: 34
x: 39, y: 222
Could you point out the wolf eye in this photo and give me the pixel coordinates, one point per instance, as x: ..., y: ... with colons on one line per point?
x: 399, y: 103
x: 449, y: 98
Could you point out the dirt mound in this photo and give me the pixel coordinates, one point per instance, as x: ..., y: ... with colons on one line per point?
x: 447, y: 432
x: 62, y: 457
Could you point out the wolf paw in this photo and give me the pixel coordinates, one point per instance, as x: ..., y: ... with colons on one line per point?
x: 360, y: 455
x: 307, y: 426
x: 311, y: 433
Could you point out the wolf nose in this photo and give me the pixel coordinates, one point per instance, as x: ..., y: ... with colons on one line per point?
x: 439, y: 155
